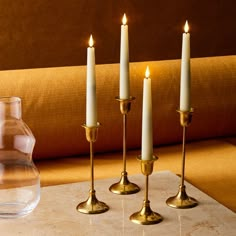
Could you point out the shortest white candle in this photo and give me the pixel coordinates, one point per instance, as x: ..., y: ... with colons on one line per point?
x: 147, y: 137
x: 185, y: 103
x: 91, y: 102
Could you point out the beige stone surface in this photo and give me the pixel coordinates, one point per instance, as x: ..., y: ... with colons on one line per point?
x: 56, y: 214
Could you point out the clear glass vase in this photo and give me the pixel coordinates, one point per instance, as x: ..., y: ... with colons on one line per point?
x: 19, y: 177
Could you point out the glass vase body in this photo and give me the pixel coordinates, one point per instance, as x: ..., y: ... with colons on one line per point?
x: 19, y: 177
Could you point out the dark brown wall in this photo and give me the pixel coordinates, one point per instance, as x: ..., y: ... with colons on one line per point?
x: 46, y: 33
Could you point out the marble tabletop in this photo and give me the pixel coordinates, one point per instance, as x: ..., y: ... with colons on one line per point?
x: 56, y: 213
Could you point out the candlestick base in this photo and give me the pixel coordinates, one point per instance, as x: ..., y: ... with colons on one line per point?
x: 181, y: 200
x: 124, y: 186
x: 92, y: 205
x: 146, y: 216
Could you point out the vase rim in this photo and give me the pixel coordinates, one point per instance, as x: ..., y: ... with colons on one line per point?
x: 10, y: 99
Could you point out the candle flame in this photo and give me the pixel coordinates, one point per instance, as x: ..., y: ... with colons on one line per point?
x: 91, y: 41
x: 186, y: 27
x: 124, y: 20
x: 147, y: 73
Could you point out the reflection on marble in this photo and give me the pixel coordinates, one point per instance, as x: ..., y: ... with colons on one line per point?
x: 56, y: 213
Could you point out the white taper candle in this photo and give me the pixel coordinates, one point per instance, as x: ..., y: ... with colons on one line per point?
x: 91, y: 102
x: 185, y: 84
x: 147, y: 136
x: 124, y: 61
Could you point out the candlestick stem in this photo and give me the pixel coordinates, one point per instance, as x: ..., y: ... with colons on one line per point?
x: 124, y: 186
x: 146, y: 216
x: 146, y: 192
x: 181, y: 200
x: 92, y: 205
x: 183, y: 155
x: 92, y: 166
x: 124, y: 140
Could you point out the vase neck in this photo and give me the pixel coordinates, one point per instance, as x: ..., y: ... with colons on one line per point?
x: 10, y: 108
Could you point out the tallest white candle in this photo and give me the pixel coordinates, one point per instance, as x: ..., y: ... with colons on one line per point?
x: 124, y: 61
x: 91, y: 102
x: 185, y: 103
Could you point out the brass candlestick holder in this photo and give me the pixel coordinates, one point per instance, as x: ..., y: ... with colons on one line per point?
x: 146, y: 216
x: 182, y: 200
x: 124, y: 186
x: 92, y: 205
